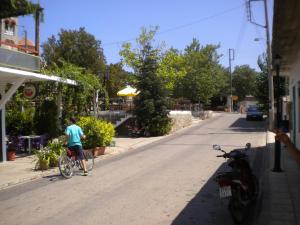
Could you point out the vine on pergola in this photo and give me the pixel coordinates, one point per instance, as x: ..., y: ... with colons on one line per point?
x: 15, y: 8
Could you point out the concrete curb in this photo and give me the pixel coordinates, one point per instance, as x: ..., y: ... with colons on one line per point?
x: 30, y: 178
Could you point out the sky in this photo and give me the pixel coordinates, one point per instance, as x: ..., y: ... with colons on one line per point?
x: 113, y: 22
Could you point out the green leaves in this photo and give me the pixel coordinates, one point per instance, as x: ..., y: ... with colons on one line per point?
x: 98, y: 132
x: 14, y: 8
x: 77, y: 47
x: 244, y: 81
x: 171, y: 69
x: 204, y: 77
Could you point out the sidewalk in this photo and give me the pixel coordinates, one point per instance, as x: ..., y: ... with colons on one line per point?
x: 22, y: 169
x: 280, y: 199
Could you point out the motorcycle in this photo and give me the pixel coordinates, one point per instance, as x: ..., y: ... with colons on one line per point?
x: 239, y: 185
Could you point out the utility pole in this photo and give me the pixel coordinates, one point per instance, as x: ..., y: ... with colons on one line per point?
x: 25, y: 34
x: 277, y: 152
x: 231, y: 58
x: 269, y: 57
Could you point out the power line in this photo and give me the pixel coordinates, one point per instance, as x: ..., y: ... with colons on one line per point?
x: 241, y: 36
x: 184, y: 25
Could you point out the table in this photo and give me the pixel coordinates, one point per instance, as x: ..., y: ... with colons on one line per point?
x: 30, y: 137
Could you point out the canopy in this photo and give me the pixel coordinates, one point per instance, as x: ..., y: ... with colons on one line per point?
x: 128, y: 92
x: 15, y: 78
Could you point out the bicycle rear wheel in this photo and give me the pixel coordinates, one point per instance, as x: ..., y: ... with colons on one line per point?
x: 65, y: 166
x: 89, y: 160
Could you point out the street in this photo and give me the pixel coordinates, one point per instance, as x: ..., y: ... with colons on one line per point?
x: 166, y: 182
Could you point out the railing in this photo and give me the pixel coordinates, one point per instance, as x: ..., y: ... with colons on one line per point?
x: 122, y: 107
x: 19, y: 60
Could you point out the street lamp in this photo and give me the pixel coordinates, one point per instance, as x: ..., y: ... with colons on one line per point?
x: 277, y: 167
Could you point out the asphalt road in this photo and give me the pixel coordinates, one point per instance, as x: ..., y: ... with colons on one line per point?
x: 167, y: 182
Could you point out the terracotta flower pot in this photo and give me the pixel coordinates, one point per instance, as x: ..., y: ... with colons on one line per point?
x: 98, y: 151
x: 44, y: 164
x: 11, y: 155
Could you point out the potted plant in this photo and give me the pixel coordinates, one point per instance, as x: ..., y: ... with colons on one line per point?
x: 55, y: 150
x: 43, y: 159
x: 11, y: 152
x: 99, y: 134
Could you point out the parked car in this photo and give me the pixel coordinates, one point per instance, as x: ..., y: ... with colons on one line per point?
x: 254, y: 112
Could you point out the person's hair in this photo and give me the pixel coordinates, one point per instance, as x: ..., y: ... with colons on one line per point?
x: 73, y: 119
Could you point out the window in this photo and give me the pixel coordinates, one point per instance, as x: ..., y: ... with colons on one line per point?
x: 9, y: 29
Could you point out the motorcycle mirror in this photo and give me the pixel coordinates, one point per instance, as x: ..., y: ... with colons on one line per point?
x: 217, y: 147
x: 248, y: 146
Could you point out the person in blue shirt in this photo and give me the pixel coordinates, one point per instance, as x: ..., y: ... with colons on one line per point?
x: 74, y: 134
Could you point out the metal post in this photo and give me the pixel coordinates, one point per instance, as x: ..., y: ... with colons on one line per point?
x: 25, y: 34
x: 277, y: 167
x: 270, y: 77
x: 231, y: 57
x: 37, y: 31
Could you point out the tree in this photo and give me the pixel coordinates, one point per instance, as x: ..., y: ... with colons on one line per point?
x: 204, y: 75
x: 132, y: 56
x: 76, y: 99
x: 171, y: 69
x: 76, y: 55
x: 244, y: 81
x: 77, y: 47
x: 117, y: 79
x: 262, y: 91
x: 151, y: 110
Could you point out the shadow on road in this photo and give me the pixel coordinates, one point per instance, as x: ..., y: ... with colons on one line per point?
x: 206, y: 208
x: 243, y: 125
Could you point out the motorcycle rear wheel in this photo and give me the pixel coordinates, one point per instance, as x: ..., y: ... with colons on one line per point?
x: 255, y: 188
x: 237, y: 211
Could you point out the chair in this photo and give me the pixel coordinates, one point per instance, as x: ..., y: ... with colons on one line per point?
x: 43, y: 140
x: 36, y: 143
x: 20, y: 143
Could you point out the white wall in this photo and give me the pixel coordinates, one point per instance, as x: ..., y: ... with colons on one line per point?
x: 294, y: 81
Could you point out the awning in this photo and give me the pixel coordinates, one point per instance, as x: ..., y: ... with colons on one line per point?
x: 286, y: 33
x: 16, y: 78
x: 9, y: 75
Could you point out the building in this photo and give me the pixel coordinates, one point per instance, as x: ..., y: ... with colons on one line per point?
x: 286, y: 47
x: 9, y: 33
x: 18, y: 65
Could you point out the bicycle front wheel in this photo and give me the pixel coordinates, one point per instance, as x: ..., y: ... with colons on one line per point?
x: 65, y: 166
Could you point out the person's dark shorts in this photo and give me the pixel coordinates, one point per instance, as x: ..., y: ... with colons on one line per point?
x: 79, y: 151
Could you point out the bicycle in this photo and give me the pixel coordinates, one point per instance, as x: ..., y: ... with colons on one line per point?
x: 68, y: 162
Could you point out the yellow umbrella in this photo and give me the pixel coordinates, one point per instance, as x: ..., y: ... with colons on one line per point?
x: 128, y: 92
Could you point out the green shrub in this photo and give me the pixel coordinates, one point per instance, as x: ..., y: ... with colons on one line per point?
x: 98, y: 132
x: 46, y: 118
x: 18, y: 122
x: 160, y: 126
